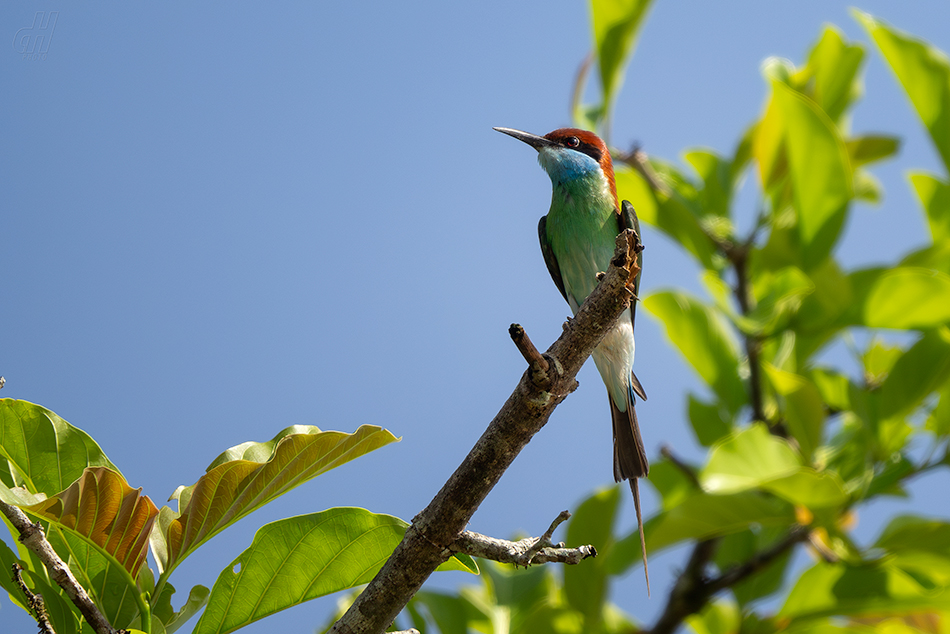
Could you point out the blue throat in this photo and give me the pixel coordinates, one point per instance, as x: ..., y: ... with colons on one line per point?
x: 564, y: 165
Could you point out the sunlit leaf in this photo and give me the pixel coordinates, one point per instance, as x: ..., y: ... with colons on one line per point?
x: 716, y: 175
x: 918, y: 372
x: 718, y: 617
x: 939, y: 420
x: 934, y: 195
x: 833, y: 387
x: 704, y: 339
x: 111, y: 587
x: 833, y: 67
x: 250, y: 475
x: 804, y: 409
x: 779, y: 295
x: 747, y: 459
x: 923, y: 71
x: 616, y: 23
x: 878, y: 588
x: 911, y: 532
x: 908, y: 297
x: 585, y: 587
x: 820, y: 171
x: 45, y: 454
x: 101, y: 507
x: 665, y: 212
x: 297, y: 559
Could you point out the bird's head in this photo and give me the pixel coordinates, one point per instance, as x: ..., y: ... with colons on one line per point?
x: 570, y: 153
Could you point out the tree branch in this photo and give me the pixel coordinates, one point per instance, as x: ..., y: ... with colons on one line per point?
x: 33, y: 537
x: 426, y: 542
x: 530, y: 550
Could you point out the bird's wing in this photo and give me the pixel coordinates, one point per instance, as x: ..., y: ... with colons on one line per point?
x: 627, y: 219
x: 549, y: 258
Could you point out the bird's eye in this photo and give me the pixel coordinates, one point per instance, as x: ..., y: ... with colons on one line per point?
x: 572, y: 141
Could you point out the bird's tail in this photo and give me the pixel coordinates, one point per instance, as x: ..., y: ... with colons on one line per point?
x: 630, y: 461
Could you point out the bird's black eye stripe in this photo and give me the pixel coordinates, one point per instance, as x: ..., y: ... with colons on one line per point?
x: 589, y: 149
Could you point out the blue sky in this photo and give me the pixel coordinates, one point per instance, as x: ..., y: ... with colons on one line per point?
x: 220, y: 219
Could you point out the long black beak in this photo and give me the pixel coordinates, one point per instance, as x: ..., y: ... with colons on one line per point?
x: 535, y: 141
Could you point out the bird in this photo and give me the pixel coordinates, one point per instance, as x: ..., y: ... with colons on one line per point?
x: 577, y: 237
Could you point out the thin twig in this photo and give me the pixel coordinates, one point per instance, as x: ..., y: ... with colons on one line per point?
x: 526, y: 348
x: 34, y: 601
x: 33, y: 537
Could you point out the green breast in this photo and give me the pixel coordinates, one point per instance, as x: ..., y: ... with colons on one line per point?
x: 581, y: 228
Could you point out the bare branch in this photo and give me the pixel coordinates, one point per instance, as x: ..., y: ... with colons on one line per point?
x: 426, y: 542
x: 33, y: 537
x: 524, y: 552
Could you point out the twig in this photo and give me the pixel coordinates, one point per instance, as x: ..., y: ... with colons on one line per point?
x: 425, y: 544
x: 527, y: 551
x: 35, y: 601
x: 529, y: 352
x: 33, y: 537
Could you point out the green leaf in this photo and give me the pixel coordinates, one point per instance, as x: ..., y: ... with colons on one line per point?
x: 64, y: 616
x: 716, y: 174
x: 666, y: 212
x: 923, y: 71
x: 704, y: 338
x: 831, y: 298
x: 820, y: 170
x: 871, y: 148
x: 779, y: 295
x: 671, y: 483
x: 832, y: 386
x: 297, y: 559
x: 804, y: 409
x: 170, y: 619
x: 707, y: 421
x: 700, y: 516
x: 616, y: 23
x: 718, y: 617
x: 448, y: 611
x: 585, y: 587
x: 247, y: 476
x: 934, y: 195
x: 746, y: 460
x: 108, y: 583
x: 939, y: 420
x: 912, y: 533
x: 908, y: 297
x: 809, y: 488
x: 877, y: 588
x: 45, y: 453
x: 833, y: 66
x: 924, y: 368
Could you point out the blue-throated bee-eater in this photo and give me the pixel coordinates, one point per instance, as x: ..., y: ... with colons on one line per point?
x: 577, y: 239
